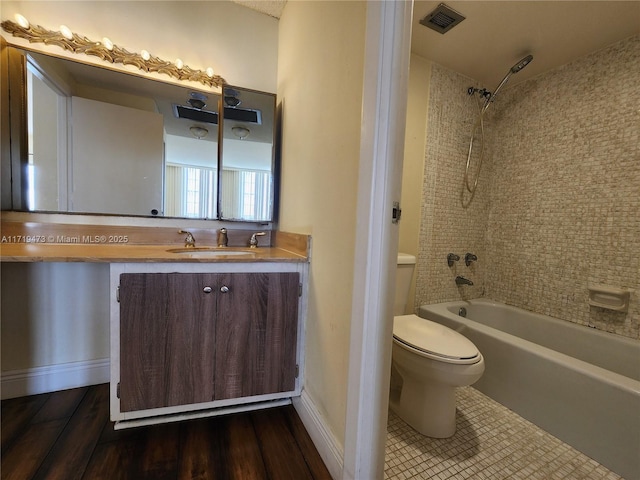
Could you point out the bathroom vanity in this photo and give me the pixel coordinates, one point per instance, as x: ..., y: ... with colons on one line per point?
x: 212, y: 337
x: 194, y: 332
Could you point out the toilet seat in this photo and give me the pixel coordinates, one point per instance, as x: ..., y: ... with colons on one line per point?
x: 432, y: 340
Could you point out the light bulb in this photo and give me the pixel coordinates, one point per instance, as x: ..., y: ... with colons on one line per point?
x: 108, y: 44
x: 179, y: 63
x: 209, y: 72
x: 66, y: 32
x: 145, y: 55
x: 22, y: 21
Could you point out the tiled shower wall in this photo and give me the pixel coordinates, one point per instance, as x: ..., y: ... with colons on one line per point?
x: 447, y: 226
x: 558, y: 200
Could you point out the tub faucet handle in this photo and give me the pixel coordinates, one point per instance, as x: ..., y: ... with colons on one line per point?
x: 452, y: 257
x: 468, y: 258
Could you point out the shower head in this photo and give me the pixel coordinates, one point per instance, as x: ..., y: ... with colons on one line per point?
x: 521, y: 64
x: 515, y: 69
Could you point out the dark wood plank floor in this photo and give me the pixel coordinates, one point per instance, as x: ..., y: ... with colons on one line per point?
x: 67, y: 435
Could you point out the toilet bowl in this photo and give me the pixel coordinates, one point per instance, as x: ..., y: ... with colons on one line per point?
x: 429, y: 361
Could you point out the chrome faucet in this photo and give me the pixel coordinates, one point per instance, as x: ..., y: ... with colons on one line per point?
x: 463, y: 281
x: 223, y: 240
x: 468, y: 258
x: 189, y: 241
x: 253, y: 242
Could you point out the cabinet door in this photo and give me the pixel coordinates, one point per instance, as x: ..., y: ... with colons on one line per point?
x: 167, y: 339
x: 256, y: 334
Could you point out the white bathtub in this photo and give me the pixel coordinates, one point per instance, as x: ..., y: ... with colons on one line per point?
x: 577, y: 383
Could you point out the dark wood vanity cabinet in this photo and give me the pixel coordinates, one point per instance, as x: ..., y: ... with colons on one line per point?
x: 188, y: 338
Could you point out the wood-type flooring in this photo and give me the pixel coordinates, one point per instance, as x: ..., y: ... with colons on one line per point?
x: 67, y: 435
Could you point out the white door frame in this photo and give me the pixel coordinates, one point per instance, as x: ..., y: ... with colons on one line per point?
x: 386, y: 73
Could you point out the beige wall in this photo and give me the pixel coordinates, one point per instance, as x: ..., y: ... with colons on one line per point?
x: 558, y: 200
x: 238, y: 43
x: 54, y: 313
x: 320, y: 80
x: 63, y: 316
x: 413, y: 165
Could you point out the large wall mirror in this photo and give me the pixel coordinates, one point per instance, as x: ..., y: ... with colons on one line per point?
x: 105, y: 142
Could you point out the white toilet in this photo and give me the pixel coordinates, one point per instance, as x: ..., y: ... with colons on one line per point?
x: 428, y: 361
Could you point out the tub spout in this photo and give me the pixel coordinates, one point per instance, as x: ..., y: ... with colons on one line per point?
x: 463, y: 281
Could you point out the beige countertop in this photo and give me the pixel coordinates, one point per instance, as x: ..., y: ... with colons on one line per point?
x: 42, y: 242
x: 34, y: 252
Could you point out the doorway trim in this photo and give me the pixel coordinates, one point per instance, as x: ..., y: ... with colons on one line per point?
x: 386, y: 75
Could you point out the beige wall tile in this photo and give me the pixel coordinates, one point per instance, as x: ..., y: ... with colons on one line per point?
x: 558, y: 200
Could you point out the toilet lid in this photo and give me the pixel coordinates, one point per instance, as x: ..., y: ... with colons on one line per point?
x: 434, y: 340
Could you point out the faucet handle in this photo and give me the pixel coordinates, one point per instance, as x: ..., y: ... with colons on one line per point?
x: 468, y: 258
x: 452, y: 257
x: 253, y: 242
x: 189, y: 241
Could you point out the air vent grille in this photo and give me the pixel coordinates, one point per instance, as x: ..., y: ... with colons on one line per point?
x: 442, y: 19
x: 243, y: 115
x: 194, y: 114
x: 238, y: 114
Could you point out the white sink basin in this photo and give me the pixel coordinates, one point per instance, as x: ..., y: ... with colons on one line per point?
x: 209, y: 252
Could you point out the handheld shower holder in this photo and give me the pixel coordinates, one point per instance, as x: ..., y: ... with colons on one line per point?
x: 489, y: 98
x: 483, y: 92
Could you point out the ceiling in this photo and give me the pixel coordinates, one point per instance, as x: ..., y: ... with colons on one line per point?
x: 496, y: 34
x: 273, y: 8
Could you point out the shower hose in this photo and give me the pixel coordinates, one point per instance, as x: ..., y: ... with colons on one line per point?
x: 478, y: 124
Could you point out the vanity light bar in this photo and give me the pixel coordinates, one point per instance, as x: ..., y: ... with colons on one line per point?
x: 109, y: 52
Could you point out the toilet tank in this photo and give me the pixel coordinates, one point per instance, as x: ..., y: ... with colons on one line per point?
x: 404, y: 274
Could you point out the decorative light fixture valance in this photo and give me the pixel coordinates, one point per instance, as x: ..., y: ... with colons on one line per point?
x: 109, y: 52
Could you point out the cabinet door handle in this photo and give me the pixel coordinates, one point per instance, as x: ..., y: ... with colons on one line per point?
x: 224, y: 289
x: 207, y: 289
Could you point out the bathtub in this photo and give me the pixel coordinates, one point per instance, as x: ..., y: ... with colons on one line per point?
x: 577, y: 383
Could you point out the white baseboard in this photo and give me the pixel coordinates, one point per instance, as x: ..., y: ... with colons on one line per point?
x: 32, y: 381
x: 328, y: 447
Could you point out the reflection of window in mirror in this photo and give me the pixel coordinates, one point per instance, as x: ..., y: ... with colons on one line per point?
x: 191, y: 177
x: 246, y: 194
x: 247, y: 178
x: 47, y: 133
x: 190, y: 191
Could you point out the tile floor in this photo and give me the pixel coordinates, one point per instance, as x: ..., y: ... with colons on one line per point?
x: 491, y: 442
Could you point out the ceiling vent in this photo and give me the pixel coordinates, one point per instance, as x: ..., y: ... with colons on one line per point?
x: 247, y: 115
x: 243, y: 115
x: 442, y: 19
x: 196, y: 114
